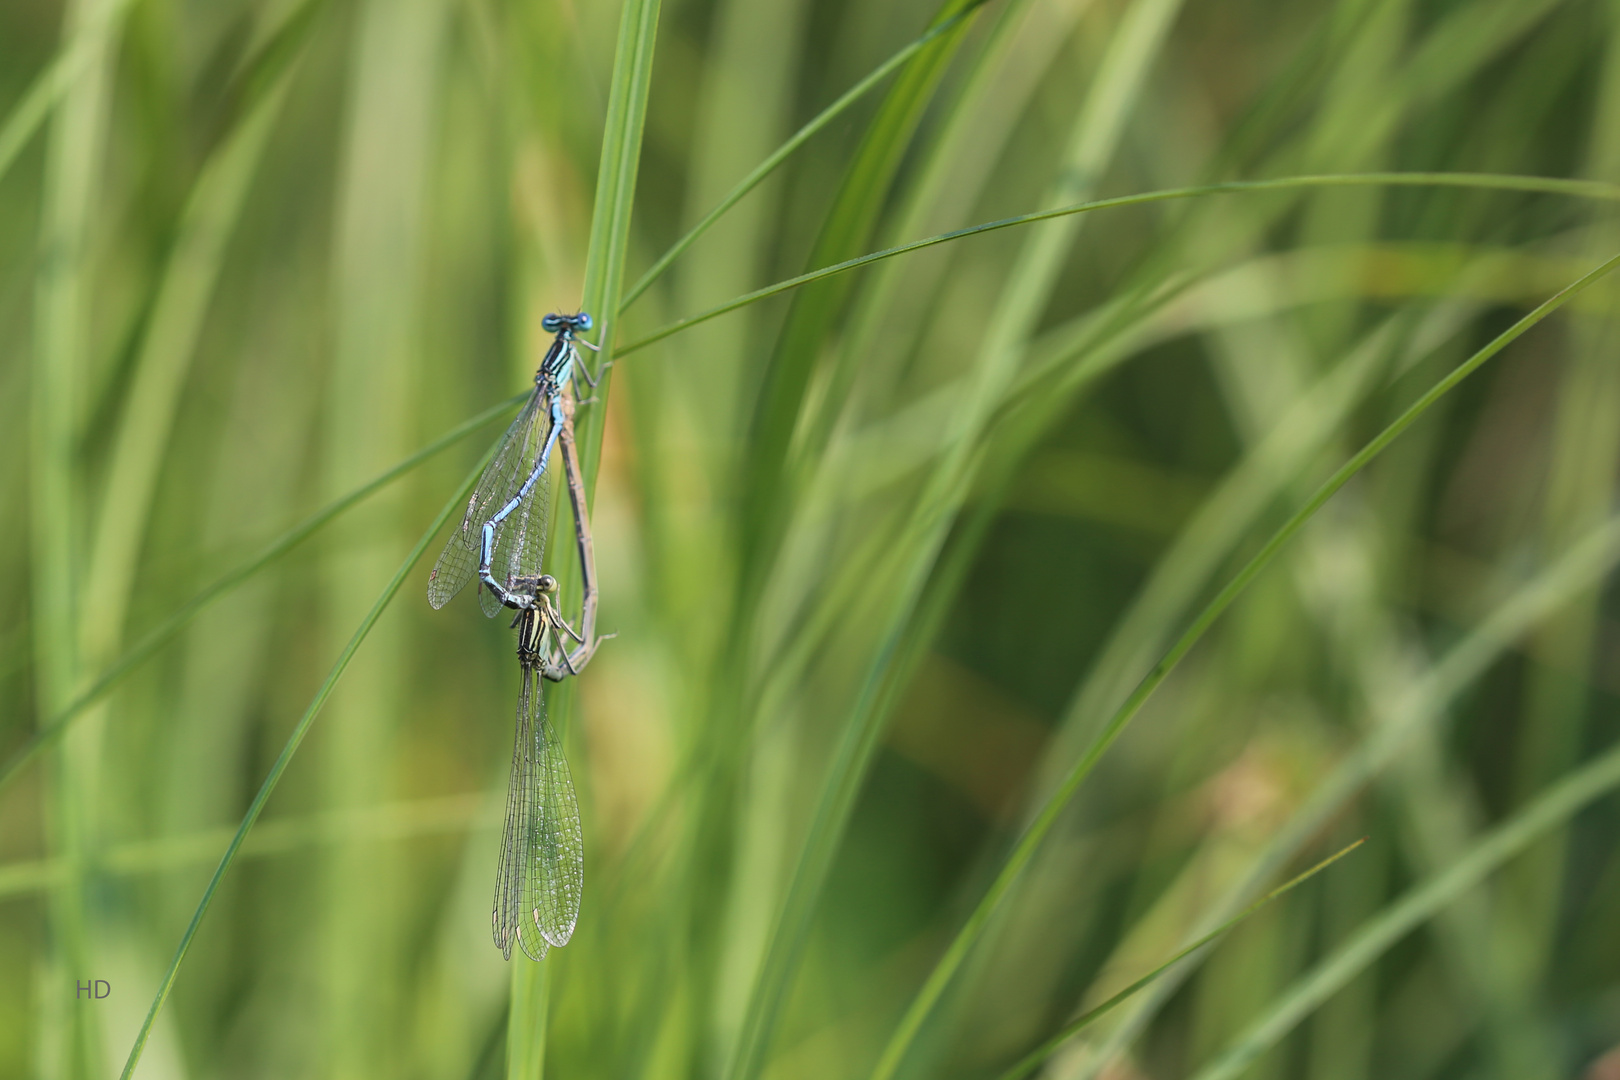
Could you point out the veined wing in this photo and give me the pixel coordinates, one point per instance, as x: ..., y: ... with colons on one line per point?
x: 513, y: 911
x: 500, y: 480
x: 520, y: 540
x: 557, y: 846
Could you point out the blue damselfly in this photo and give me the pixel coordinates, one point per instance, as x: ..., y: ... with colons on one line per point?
x: 502, y: 535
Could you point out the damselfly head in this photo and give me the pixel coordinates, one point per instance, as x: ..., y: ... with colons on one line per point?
x: 553, y: 323
x: 531, y: 586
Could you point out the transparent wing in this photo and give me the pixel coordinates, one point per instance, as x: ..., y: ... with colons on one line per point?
x: 520, y: 540
x: 558, y: 876
x: 500, y: 480
x: 512, y: 875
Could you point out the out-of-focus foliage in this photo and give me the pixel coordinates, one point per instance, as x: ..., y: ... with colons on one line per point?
x: 883, y: 554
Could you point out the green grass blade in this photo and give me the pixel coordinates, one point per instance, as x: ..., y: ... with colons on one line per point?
x: 294, y: 740
x: 1024, y: 850
x: 279, y: 836
x: 1580, y: 189
x: 615, y: 198
x: 49, y: 86
x: 163, y: 362
x: 847, y: 229
x: 1561, y: 802
x: 783, y: 152
x: 1035, y: 1057
x: 165, y: 631
x: 60, y: 366
x: 1092, y: 143
x: 1426, y: 701
x: 604, y: 277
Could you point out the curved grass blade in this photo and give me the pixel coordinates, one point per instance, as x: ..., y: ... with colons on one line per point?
x: 1552, y: 809
x: 1034, y: 1058
x: 290, y: 748
x: 59, y: 364
x: 167, y: 351
x: 49, y: 86
x: 435, y: 816
x: 1579, y: 189
x: 615, y: 198
x: 604, y: 278
x: 848, y: 226
x: 1576, y: 570
x: 1089, y: 146
x: 783, y: 152
x: 1024, y: 850
x: 165, y: 631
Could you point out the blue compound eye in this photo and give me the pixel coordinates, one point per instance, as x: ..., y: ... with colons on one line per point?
x: 583, y: 321
x: 551, y: 323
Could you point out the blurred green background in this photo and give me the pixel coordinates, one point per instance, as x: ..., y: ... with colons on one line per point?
x: 882, y: 555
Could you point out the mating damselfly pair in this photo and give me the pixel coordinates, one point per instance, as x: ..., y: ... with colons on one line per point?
x: 501, y: 540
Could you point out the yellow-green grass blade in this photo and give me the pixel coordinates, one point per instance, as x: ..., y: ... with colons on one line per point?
x: 49, y: 86
x: 953, y: 957
x: 1580, y: 189
x: 1097, y: 128
x: 1031, y: 1061
x: 162, y: 364
x: 278, y: 836
x: 60, y: 365
x: 294, y: 740
x: 615, y: 197
x: 378, y: 362
x: 847, y: 229
x: 783, y: 152
x: 1555, y: 807
x: 1424, y: 703
x: 608, y: 250
x: 165, y: 631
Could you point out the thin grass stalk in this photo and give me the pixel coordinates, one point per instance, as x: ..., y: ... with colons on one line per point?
x: 1374, y: 654
x: 1033, y: 1060
x: 101, y: 26
x: 852, y: 218
x: 1434, y: 810
x: 1552, y: 810
x: 769, y: 477
x: 1249, y: 487
x: 615, y: 197
x: 380, y: 249
x: 752, y: 75
x: 294, y: 740
x: 1580, y: 481
x: 939, y: 978
x: 1219, y: 524
x: 1093, y: 141
x: 278, y: 836
x: 892, y: 306
x: 1582, y: 189
x: 1423, y: 703
x: 768, y: 480
x: 59, y: 369
x: 161, y: 367
x: 604, y: 276
x: 166, y: 631
x: 783, y: 152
